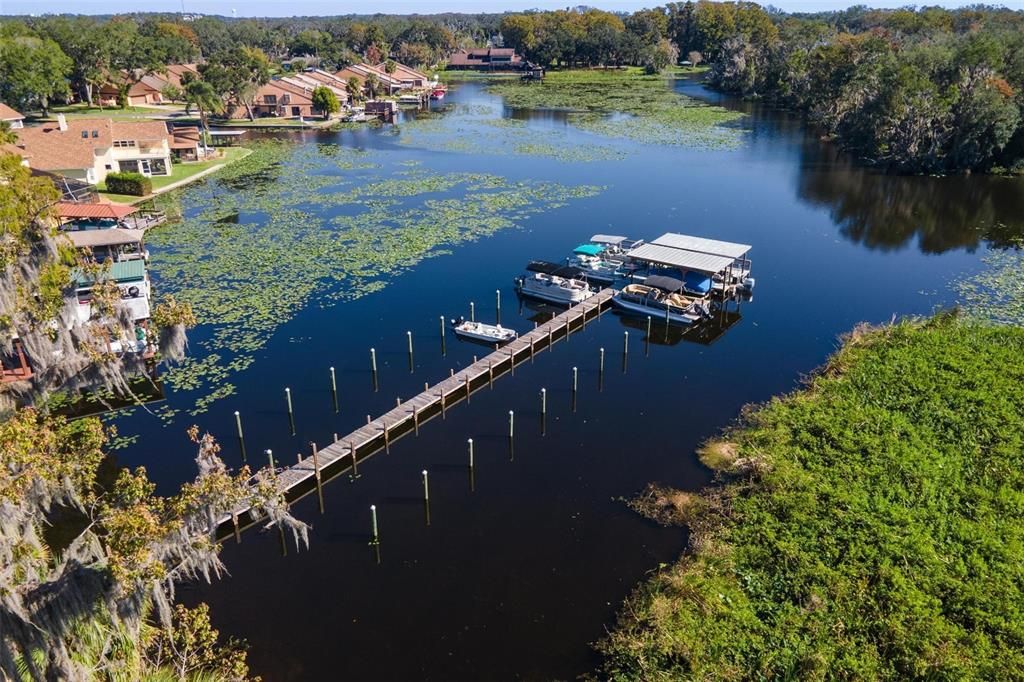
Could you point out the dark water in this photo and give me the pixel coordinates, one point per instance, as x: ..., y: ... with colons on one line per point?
x: 523, y: 567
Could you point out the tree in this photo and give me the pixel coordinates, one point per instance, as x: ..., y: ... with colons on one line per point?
x: 237, y: 75
x: 206, y: 100
x: 32, y: 72
x: 390, y: 66
x: 325, y: 101
x: 373, y: 86
x: 695, y: 57
x: 7, y: 134
x: 124, y: 549
x: 172, y: 93
x: 354, y: 88
x: 661, y: 56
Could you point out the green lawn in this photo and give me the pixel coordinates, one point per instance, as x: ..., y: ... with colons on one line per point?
x: 179, y: 172
x: 85, y: 111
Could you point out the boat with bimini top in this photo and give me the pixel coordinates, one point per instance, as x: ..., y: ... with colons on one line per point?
x: 562, y: 284
x: 662, y: 298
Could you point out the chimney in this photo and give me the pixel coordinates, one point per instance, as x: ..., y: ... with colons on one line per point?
x: 62, y: 123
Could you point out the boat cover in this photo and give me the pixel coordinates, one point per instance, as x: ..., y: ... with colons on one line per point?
x: 670, y: 284
x: 555, y: 269
x: 589, y: 250
x: 611, y: 239
x: 697, y: 282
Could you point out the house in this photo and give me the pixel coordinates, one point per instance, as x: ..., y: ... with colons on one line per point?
x: 280, y: 98
x: 15, y: 119
x: 309, y: 80
x: 86, y: 149
x: 149, y: 89
x: 186, y: 143
x: 361, y: 72
x: 409, y: 77
x: 486, y: 59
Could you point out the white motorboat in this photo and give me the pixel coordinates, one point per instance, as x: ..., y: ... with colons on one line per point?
x: 662, y: 298
x: 479, y: 331
x: 554, y: 283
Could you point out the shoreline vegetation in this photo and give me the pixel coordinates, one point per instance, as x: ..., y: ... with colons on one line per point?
x: 627, y: 103
x: 866, y: 526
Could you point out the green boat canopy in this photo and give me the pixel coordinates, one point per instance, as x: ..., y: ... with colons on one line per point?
x: 124, y: 271
x: 589, y: 250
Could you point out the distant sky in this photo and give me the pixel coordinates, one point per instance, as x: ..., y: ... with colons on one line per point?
x: 255, y: 8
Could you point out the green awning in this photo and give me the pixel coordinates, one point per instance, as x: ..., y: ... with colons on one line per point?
x: 589, y: 250
x: 124, y: 271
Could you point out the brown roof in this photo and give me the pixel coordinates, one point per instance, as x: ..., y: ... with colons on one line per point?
x: 70, y: 209
x: 482, y: 56
x: 176, y: 71
x: 139, y: 130
x: 279, y: 88
x: 185, y: 137
x: 53, y: 149
x: 111, y: 236
x: 403, y: 71
x: 8, y: 114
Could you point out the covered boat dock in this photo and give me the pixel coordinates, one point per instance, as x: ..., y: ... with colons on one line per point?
x: 725, y: 262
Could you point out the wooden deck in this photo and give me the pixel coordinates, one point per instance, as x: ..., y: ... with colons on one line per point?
x: 339, y: 457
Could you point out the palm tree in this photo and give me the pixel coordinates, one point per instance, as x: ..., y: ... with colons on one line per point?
x: 372, y: 85
x: 354, y: 89
x: 207, y: 101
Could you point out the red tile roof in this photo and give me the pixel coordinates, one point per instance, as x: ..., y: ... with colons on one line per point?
x: 66, y: 209
x: 8, y: 114
x: 50, y: 148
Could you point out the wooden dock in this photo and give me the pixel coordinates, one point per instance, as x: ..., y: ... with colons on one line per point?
x: 349, y: 451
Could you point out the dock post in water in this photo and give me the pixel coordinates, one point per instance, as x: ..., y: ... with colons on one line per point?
x: 543, y: 401
x: 416, y: 418
x: 600, y: 362
x: 316, y: 473
x: 575, y: 379
x: 291, y: 413
x: 373, y: 360
x: 468, y: 392
x: 511, y: 424
x: 270, y: 459
x: 241, y: 438
x: 442, y: 335
x: 238, y: 532
x: 470, y: 444
x: 426, y: 487
x: 497, y: 305
x: 374, y: 535
x: 625, y: 343
x: 472, y: 312
x: 334, y: 391
x: 409, y: 336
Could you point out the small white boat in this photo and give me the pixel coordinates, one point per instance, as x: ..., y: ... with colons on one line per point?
x: 479, y: 331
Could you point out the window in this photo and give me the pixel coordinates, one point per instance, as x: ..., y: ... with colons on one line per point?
x: 85, y: 134
x: 108, y: 167
x: 95, y: 134
x: 124, y: 143
x: 270, y: 99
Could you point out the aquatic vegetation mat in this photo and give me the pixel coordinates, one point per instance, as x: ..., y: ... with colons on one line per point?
x: 873, y: 530
x: 625, y: 103
x: 291, y: 225
x: 996, y: 292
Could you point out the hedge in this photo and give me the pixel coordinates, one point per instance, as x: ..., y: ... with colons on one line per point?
x: 134, y: 184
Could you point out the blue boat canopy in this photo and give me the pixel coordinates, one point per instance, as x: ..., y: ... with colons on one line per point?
x: 589, y: 250
x: 697, y: 282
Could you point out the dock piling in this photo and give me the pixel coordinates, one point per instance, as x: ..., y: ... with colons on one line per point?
x: 374, y: 534
x: 334, y: 391
x: 241, y: 438
x: 575, y: 378
x: 355, y: 463
x: 373, y: 360
x: 411, y: 363
x: 470, y: 444
x: 497, y: 305
x: 511, y: 424
x: 316, y: 474
x: 472, y: 312
x: 426, y: 487
x: 442, y: 335
x: 270, y: 459
x: 291, y: 412
x: 543, y: 401
x: 625, y: 343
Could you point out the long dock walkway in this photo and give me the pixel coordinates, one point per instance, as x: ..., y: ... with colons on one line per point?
x: 347, y: 452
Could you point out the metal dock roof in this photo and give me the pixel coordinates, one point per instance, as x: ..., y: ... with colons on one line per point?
x: 680, y: 258
x: 702, y: 245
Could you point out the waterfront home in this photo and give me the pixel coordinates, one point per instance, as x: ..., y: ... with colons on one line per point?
x: 361, y: 72
x: 407, y: 76
x: 186, y: 143
x: 307, y: 81
x: 149, y: 88
x: 87, y: 149
x: 282, y: 99
x: 486, y: 59
x: 15, y: 119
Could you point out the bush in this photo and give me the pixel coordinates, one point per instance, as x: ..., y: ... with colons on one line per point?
x: 134, y: 184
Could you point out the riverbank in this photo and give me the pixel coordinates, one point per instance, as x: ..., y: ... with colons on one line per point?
x: 868, y: 526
